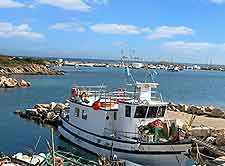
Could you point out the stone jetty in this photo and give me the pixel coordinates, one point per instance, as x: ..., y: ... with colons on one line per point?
x: 44, y: 113
x: 6, y: 82
x: 209, y: 111
x: 209, y: 123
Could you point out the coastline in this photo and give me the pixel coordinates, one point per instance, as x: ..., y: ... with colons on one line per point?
x: 29, y: 69
x: 26, y: 66
x: 217, y: 123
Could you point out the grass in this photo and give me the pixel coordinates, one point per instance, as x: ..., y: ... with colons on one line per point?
x: 15, y: 61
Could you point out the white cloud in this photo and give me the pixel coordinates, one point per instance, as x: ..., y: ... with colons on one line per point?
x: 79, y: 5
x: 8, y: 30
x: 68, y: 26
x: 98, y: 2
x: 146, y: 29
x: 192, y: 46
x: 169, y: 32
x: 217, y: 1
x: 116, y: 29
x: 11, y: 4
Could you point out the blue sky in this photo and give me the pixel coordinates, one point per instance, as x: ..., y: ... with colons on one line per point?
x: 178, y: 30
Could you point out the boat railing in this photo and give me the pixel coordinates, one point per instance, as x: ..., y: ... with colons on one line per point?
x: 126, y: 95
x: 100, y: 92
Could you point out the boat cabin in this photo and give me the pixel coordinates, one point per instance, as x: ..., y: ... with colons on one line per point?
x: 120, y: 111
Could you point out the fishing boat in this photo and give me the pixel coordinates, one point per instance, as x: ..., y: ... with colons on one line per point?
x: 130, y: 123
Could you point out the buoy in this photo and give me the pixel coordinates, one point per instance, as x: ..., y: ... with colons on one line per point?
x: 96, y: 105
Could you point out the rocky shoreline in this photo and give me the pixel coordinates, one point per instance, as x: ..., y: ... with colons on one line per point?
x: 209, y: 111
x: 12, y: 83
x: 31, y: 69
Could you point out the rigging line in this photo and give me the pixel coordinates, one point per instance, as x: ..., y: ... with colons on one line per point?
x: 35, y: 148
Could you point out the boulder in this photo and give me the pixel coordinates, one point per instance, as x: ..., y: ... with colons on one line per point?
x: 2, y: 80
x: 67, y: 105
x: 10, y: 83
x: 172, y: 107
x: 193, y: 109
x: 216, y: 113
x: 52, y: 105
x: 46, y: 106
x: 59, y: 107
x: 23, y: 83
x: 209, y: 109
x: 51, y: 115
x: 183, y: 107
x: 200, y: 110
x: 42, y: 110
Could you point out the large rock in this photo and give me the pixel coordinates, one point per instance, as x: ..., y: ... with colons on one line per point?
x: 43, y: 105
x: 10, y: 83
x: 216, y: 113
x: 59, y: 107
x: 42, y: 110
x: 23, y: 83
x: 172, y: 107
x: 52, y: 105
x: 2, y: 80
x: 51, y: 115
x: 209, y: 109
x: 183, y: 107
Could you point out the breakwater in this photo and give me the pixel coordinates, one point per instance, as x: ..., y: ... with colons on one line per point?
x: 209, y: 111
x: 44, y: 113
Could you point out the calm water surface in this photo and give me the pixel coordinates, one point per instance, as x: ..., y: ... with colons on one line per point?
x: 202, y: 87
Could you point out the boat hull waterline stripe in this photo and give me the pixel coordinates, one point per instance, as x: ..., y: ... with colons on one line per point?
x: 121, y: 150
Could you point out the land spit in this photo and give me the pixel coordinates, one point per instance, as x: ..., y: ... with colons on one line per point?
x: 31, y: 69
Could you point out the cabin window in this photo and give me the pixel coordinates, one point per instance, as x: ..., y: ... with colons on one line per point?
x: 140, y: 111
x: 128, y: 111
x: 155, y: 112
x: 77, y: 112
x: 161, y: 111
x: 84, y: 115
x: 115, y: 115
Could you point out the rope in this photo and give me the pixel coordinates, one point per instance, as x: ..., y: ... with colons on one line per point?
x: 198, y: 156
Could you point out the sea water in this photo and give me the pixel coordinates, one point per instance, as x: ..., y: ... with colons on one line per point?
x: 19, y: 135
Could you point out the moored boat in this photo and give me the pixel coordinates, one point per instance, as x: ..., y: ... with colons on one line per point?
x: 131, y: 124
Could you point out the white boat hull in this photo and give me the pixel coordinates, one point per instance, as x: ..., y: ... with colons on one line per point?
x: 155, y: 155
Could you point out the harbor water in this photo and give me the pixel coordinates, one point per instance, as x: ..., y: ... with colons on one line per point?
x: 190, y: 87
